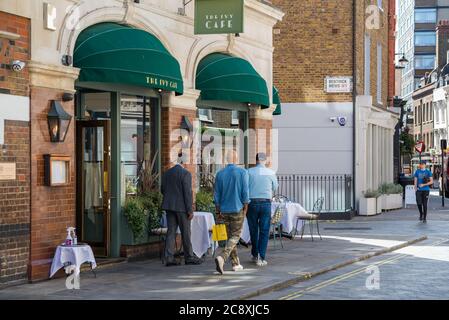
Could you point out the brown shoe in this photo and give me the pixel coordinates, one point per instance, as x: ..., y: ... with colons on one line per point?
x: 219, y: 263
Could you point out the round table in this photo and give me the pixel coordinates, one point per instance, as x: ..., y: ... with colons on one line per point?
x: 74, y: 255
x: 201, y: 227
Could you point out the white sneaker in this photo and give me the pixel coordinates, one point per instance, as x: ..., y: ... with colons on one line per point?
x: 238, y: 267
x: 261, y: 263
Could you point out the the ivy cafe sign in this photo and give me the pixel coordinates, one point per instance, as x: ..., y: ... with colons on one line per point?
x: 218, y: 16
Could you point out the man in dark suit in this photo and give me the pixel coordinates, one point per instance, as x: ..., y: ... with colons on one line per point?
x: 177, y: 203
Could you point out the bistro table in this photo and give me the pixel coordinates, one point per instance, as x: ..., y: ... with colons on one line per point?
x: 201, y: 231
x: 292, y: 213
x: 74, y: 255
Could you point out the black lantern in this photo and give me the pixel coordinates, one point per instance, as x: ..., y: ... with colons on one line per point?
x: 58, y: 122
x: 187, y: 128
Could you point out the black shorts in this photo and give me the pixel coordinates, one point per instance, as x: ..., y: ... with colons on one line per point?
x: 422, y: 197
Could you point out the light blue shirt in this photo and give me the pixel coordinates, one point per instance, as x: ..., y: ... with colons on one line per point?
x: 231, y: 189
x: 262, y: 182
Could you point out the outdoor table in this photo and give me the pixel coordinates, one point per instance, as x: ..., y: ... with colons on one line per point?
x: 292, y: 213
x: 74, y: 255
x: 201, y: 233
x: 201, y: 228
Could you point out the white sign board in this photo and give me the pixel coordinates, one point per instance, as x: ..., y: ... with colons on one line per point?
x: 338, y: 84
x: 410, y: 195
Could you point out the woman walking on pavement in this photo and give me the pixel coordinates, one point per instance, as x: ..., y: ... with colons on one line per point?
x: 423, y: 181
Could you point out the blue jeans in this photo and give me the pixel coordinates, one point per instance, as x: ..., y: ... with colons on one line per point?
x: 259, y: 219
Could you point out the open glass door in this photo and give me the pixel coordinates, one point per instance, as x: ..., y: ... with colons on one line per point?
x: 93, y: 164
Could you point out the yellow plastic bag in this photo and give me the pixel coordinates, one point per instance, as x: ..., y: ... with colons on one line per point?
x: 219, y: 232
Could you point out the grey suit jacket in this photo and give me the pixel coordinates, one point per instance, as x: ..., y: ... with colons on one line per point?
x: 177, y: 190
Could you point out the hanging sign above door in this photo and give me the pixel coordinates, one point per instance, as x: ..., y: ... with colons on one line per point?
x: 218, y: 16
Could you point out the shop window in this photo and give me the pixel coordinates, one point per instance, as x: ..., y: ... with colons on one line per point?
x: 138, y: 140
x: 205, y: 115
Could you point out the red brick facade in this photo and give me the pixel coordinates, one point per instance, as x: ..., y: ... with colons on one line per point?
x: 171, y: 119
x: 14, y: 194
x: 52, y: 208
x: 264, y: 140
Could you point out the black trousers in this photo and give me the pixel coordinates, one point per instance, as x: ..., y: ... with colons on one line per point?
x: 422, y: 198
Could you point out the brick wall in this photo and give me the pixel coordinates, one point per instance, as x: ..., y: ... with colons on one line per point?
x: 14, y: 82
x: 171, y: 119
x: 315, y: 40
x: 52, y: 208
x: 15, y: 204
x: 15, y: 194
x: 260, y: 138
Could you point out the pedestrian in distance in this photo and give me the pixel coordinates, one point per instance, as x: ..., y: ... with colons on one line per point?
x: 423, y: 180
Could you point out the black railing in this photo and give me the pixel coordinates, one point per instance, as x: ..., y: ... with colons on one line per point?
x: 306, y: 189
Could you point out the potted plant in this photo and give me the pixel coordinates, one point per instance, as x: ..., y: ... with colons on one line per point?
x: 368, y: 203
x: 136, y: 215
x: 391, y: 196
x: 205, y: 201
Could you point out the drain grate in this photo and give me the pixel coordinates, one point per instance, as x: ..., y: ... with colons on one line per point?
x: 348, y: 228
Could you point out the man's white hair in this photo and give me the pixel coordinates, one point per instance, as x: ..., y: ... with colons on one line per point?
x: 231, y: 156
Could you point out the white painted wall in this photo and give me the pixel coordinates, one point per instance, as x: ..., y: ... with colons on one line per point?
x: 310, y: 143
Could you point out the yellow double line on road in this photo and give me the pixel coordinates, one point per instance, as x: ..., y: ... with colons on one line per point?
x: 348, y: 275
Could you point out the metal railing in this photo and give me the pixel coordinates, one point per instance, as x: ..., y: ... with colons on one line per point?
x: 306, y: 189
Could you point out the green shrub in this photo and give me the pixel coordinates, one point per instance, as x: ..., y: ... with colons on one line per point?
x: 371, y: 194
x: 152, y: 203
x: 390, y: 188
x: 136, y: 215
x: 205, y: 201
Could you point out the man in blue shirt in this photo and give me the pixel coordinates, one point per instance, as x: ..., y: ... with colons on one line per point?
x: 231, y: 201
x: 423, y: 181
x: 262, y: 184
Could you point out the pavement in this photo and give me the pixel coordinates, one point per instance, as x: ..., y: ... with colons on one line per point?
x: 346, y: 246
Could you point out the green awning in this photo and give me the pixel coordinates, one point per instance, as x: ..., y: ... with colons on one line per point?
x: 276, y: 101
x: 223, y: 77
x: 114, y: 53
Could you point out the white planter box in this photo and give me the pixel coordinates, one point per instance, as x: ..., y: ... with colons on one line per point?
x: 379, y: 206
x: 368, y: 206
x: 391, y: 201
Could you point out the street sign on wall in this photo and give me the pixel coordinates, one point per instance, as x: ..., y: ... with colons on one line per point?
x: 338, y: 84
x: 218, y: 16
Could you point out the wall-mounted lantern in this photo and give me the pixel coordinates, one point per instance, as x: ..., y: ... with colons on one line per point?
x: 58, y: 122
x: 187, y: 129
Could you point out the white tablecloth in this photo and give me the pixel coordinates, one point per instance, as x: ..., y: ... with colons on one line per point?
x: 201, y: 225
x: 73, y: 255
x: 288, y: 221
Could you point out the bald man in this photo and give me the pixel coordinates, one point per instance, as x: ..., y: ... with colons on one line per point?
x: 231, y: 197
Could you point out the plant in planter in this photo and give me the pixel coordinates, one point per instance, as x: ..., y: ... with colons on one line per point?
x: 152, y: 202
x: 143, y: 210
x: 368, y: 204
x: 391, y: 197
x: 136, y: 215
x: 205, y: 201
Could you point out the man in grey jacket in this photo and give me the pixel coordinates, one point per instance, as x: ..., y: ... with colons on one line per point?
x: 177, y: 203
